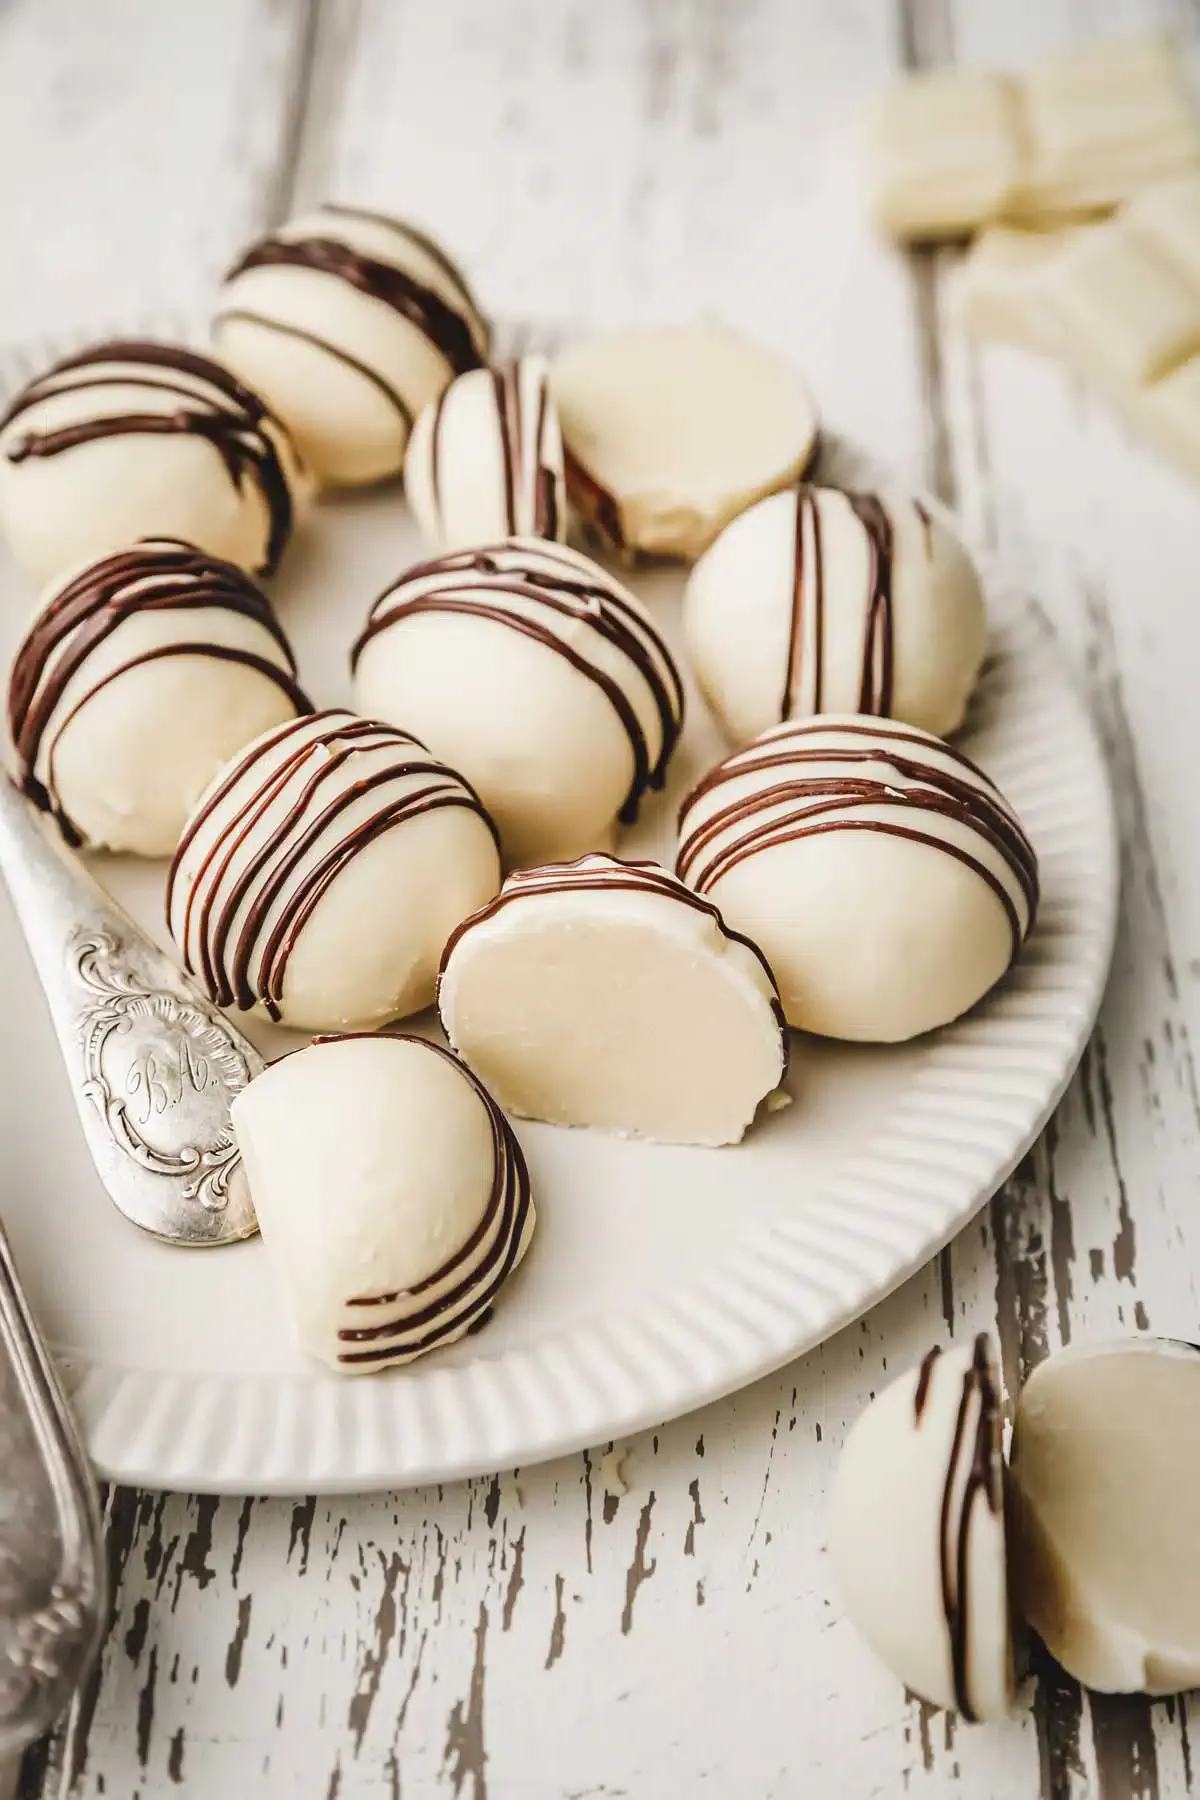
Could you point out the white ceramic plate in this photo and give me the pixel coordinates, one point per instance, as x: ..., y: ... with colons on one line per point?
x: 660, y: 1278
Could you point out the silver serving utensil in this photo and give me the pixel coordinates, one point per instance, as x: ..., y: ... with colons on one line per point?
x: 153, y: 1064
x: 53, y: 1588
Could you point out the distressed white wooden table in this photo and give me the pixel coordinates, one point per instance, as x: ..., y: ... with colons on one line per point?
x: 654, y: 1620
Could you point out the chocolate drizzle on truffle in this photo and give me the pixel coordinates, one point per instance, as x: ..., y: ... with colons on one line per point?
x: 511, y: 585
x: 806, y: 636
x: 459, y: 1295
x: 975, y: 1469
x: 452, y: 330
x: 808, y: 608
x: 878, y: 656
x: 156, y: 576
x: 529, y: 482
x: 396, y: 400
x: 861, y: 788
x: 596, y: 505
x: 248, y: 902
x: 210, y: 403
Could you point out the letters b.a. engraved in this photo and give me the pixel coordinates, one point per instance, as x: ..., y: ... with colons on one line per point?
x: 160, y: 1069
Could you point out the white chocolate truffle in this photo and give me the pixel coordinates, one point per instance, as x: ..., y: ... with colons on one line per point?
x: 916, y: 1533
x: 672, y: 431
x: 349, y: 322
x: 538, y: 675
x: 822, y: 601
x: 605, y: 993
x: 128, y: 440
x: 142, y: 674
x: 886, y: 879
x: 1105, y: 1513
x: 392, y: 1195
x: 322, y: 872
x: 485, y: 459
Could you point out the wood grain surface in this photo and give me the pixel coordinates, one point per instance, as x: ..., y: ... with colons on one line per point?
x: 653, y: 1619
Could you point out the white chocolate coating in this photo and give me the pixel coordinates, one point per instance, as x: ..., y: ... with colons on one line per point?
x: 349, y: 322
x: 1105, y: 1513
x: 916, y: 1533
x: 672, y: 431
x: 887, y: 881
x: 485, y: 459
x: 604, y: 993
x: 140, y: 676
x: 392, y: 1194
x: 129, y: 440
x: 321, y: 874
x: 538, y: 675
x: 820, y: 601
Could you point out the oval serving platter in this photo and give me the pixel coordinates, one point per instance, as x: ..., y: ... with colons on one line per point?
x: 661, y: 1278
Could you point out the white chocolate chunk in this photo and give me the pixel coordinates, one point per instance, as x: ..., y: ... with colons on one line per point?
x: 1126, y: 315
x: 1105, y: 1513
x: 945, y: 150
x: 670, y: 432
x: 1166, y: 218
x: 952, y: 150
x: 1119, y: 302
x: 392, y: 1195
x: 916, y: 1533
x: 604, y: 993
x: 995, y: 290
x: 1101, y: 120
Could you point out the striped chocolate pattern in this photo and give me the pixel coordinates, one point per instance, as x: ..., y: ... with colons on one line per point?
x: 804, y: 677
x: 544, y: 590
x: 185, y: 393
x: 277, y: 839
x: 159, y: 575
x: 387, y: 1328
x: 837, y: 774
x: 454, y: 326
x: 530, y: 449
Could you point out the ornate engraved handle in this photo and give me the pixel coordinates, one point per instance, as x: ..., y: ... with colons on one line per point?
x: 153, y: 1064
x: 52, y: 1584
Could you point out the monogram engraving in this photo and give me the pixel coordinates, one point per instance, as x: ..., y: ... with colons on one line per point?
x: 159, y: 1069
